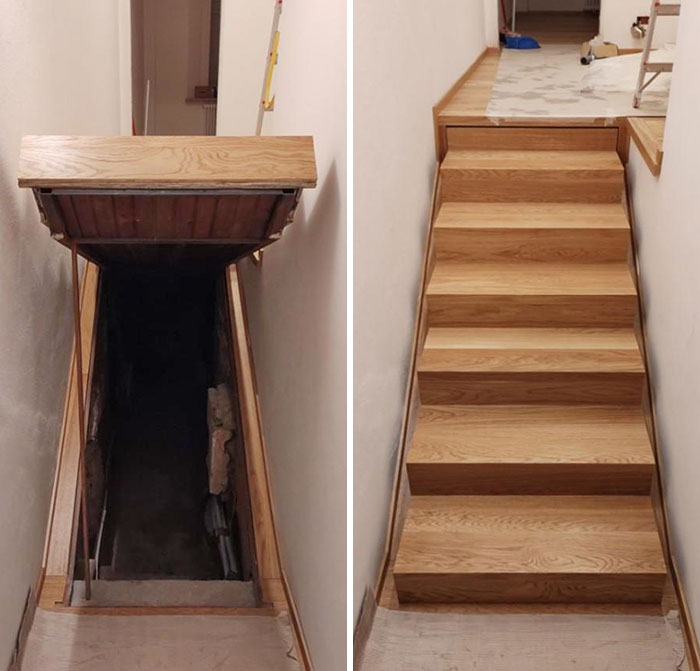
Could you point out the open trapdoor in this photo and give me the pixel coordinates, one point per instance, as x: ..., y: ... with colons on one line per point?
x: 164, y: 490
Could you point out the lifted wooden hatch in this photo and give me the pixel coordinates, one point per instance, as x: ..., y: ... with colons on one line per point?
x: 143, y: 200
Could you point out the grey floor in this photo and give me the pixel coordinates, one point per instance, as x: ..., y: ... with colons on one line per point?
x: 67, y: 642
x: 412, y: 641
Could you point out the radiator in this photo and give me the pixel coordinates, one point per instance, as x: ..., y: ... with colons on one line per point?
x: 209, y: 119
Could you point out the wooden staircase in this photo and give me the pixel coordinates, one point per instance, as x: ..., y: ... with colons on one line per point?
x: 531, y: 466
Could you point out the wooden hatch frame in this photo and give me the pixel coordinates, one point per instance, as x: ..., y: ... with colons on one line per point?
x: 97, y: 195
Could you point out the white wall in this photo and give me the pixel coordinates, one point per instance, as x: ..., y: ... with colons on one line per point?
x: 617, y: 17
x: 245, y: 36
x: 59, y: 74
x: 666, y: 211
x: 492, y: 20
x: 297, y: 310
x: 407, y: 55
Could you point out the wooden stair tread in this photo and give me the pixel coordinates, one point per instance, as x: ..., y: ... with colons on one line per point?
x: 552, y: 279
x: 530, y: 434
x: 516, y: 350
x: 490, y: 215
x: 532, y: 160
x: 530, y: 535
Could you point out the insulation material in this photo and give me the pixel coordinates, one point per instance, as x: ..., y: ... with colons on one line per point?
x: 220, y: 419
x: 551, y: 82
x: 454, y: 642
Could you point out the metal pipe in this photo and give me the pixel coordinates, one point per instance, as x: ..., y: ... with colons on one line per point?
x: 81, y: 419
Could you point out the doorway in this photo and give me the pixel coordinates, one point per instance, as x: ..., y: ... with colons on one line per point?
x: 555, y: 21
x: 174, y: 66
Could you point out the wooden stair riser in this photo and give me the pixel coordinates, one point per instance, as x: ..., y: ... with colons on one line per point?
x: 447, y: 387
x: 524, y: 185
x: 529, y: 478
x: 517, y: 244
x: 532, y: 311
x: 532, y: 139
x: 529, y: 587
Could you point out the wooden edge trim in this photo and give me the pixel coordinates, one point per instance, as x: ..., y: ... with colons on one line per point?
x: 161, y: 610
x: 53, y: 578
x: 690, y: 636
x: 442, y: 103
x: 649, y: 148
x: 273, y: 581
x: 411, y: 388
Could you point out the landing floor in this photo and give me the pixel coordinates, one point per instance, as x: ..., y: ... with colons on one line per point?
x: 442, y: 642
x: 67, y: 642
x: 549, y: 84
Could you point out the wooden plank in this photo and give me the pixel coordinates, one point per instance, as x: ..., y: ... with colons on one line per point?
x: 532, y: 139
x: 125, y: 216
x: 532, y: 279
x: 266, y: 544
x: 556, y: 232
x: 446, y: 387
x: 166, y: 162
x: 61, y: 531
x: 530, y: 449
x: 648, y: 135
x: 592, y: 310
x: 529, y: 549
x: 542, y: 176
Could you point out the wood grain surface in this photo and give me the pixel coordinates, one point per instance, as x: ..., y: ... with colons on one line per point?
x: 147, y: 162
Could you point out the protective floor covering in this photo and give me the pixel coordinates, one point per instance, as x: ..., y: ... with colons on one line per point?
x: 451, y: 642
x: 65, y: 642
x: 166, y: 593
x: 551, y: 82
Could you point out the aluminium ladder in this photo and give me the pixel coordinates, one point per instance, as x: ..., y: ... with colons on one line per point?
x: 657, y: 9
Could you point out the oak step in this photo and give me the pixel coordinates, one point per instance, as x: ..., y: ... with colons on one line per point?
x: 551, y: 139
x: 531, y: 294
x: 530, y: 365
x: 532, y: 176
x: 535, y: 449
x: 493, y: 232
x: 509, y: 549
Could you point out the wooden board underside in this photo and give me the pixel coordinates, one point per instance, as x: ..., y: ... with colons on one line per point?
x: 166, y: 162
x: 145, y: 216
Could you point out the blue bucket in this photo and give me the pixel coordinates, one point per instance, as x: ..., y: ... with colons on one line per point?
x: 521, y: 42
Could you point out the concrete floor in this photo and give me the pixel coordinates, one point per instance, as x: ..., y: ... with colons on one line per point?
x: 66, y: 642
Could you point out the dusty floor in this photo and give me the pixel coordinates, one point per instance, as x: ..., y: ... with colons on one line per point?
x: 65, y: 642
x: 453, y: 642
x: 158, y: 484
x: 551, y: 82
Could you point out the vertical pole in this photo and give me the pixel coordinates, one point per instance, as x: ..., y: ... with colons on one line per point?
x: 81, y: 418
